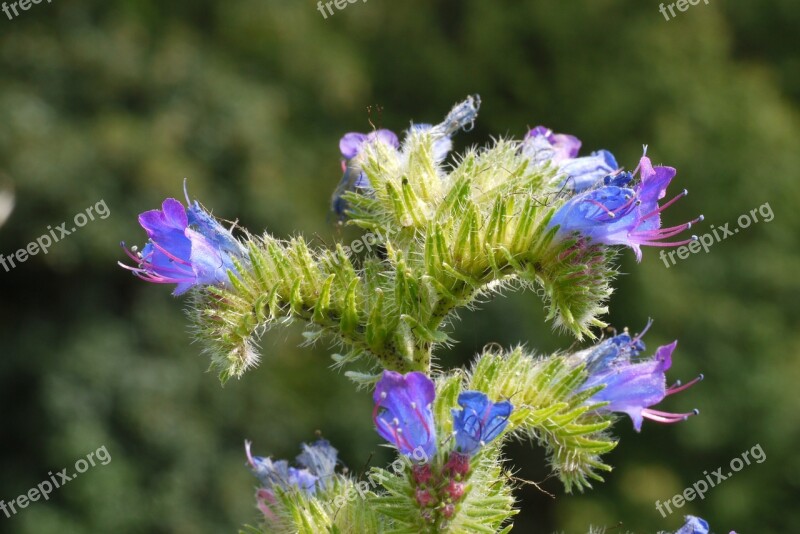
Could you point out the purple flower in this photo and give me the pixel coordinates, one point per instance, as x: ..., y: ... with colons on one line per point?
x: 461, y: 117
x: 542, y: 145
x: 442, y: 143
x: 353, y: 143
x: 320, y: 459
x: 616, y: 215
x: 353, y: 178
x: 279, y: 474
x: 694, y: 525
x: 632, y: 386
x: 187, y: 249
x: 479, y: 421
x: 403, y: 414
x: 317, y: 462
x: 583, y: 173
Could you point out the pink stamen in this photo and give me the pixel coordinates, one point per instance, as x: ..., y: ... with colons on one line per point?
x: 130, y: 268
x: 399, y: 438
x: 668, y: 244
x: 666, y: 417
x: 169, y: 254
x: 664, y: 206
x: 640, y: 335
x: 677, y: 388
x: 663, y: 233
x: 130, y: 253
x: 601, y: 206
x: 148, y: 270
x: 628, y: 203
x: 247, y: 444
x: 424, y: 423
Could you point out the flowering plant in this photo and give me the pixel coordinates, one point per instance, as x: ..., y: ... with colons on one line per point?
x: 516, y: 214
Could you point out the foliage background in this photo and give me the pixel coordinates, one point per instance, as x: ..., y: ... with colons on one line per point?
x: 120, y: 100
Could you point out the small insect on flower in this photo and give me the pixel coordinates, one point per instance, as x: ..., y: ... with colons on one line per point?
x: 541, y: 146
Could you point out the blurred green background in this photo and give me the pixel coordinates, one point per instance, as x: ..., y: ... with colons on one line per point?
x: 120, y: 100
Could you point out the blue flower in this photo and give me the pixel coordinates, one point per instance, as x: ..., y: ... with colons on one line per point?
x: 279, y: 474
x: 616, y: 215
x: 585, y: 172
x: 461, y: 117
x: 542, y: 145
x: 188, y: 249
x: 351, y: 145
x: 318, y: 462
x: 479, y: 421
x: 403, y: 414
x: 694, y: 525
x: 631, y: 386
x: 442, y: 143
x: 320, y: 459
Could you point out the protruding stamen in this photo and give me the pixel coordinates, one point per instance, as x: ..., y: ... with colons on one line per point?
x: 170, y: 255
x: 247, y: 445
x: 669, y: 243
x: 667, y: 417
x: 664, y: 206
x: 677, y: 388
x: 639, y: 337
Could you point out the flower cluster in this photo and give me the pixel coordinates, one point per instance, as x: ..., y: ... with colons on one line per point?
x: 403, y: 415
x: 467, y: 232
x: 353, y: 144
x: 317, y: 461
x: 404, y: 418
x: 695, y: 525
